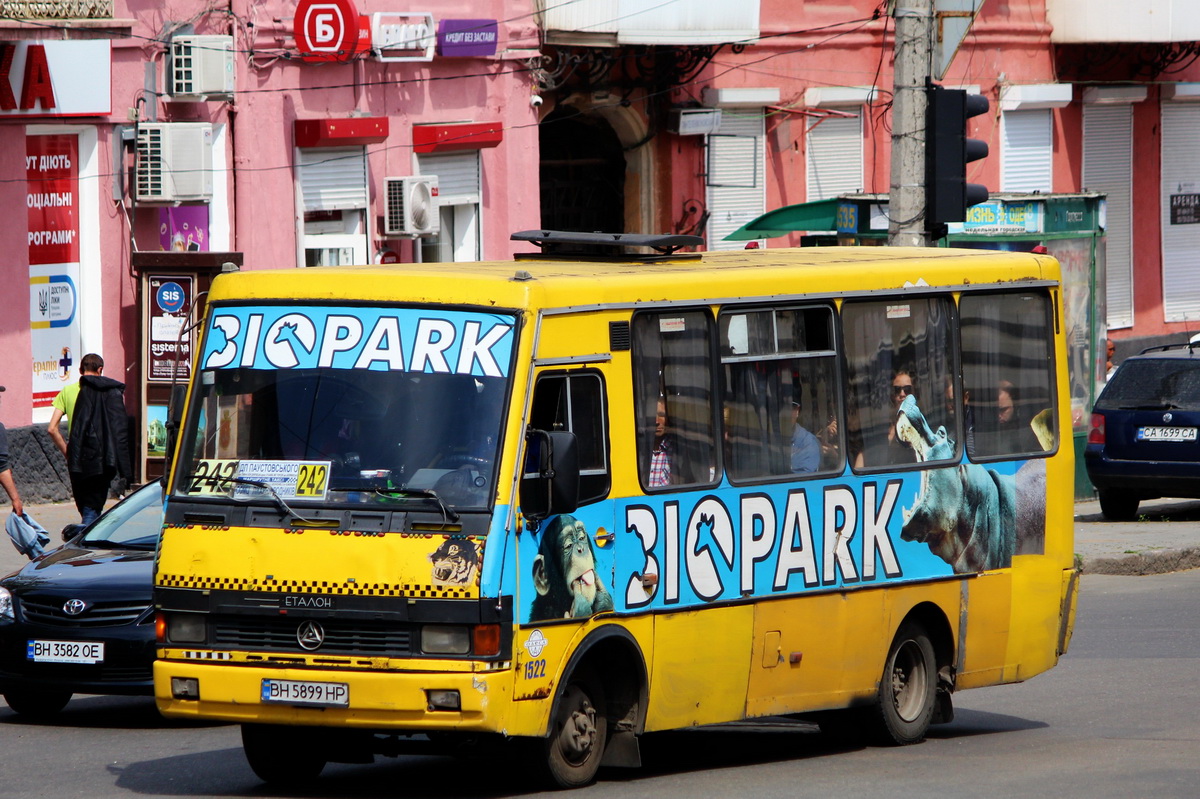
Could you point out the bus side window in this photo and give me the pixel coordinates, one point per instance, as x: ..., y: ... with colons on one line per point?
x: 900, y: 358
x: 779, y: 401
x: 673, y: 398
x: 1008, y: 373
x: 575, y: 402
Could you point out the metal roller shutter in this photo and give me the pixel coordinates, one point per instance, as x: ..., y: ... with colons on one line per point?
x: 1180, y: 243
x: 835, y: 158
x: 1108, y: 167
x: 459, y: 180
x: 1026, y: 151
x: 333, y: 178
x: 736, y: 175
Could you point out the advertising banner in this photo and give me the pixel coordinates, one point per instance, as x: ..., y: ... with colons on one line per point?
x: 53, y: 78
x: 170, y: 354
x: 52, y: 200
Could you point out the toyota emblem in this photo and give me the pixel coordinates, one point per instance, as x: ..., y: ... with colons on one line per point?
x: 73, y: 607
x: 310, y: 635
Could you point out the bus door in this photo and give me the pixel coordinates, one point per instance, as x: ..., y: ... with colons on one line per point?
x: 566, y: 565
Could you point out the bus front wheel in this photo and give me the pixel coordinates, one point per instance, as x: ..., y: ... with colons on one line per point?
x: 907, y: 691
x: 282, y: 756
x: 571, y: 754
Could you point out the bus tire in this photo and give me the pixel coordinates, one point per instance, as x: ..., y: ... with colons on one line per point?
x: 282, y: 756
x: 571, y: 754
x: 1117, y: 505
x: 907, y: 690
x: 37, y: 704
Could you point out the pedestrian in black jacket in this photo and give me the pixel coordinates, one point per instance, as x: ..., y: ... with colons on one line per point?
x: 98, y: 449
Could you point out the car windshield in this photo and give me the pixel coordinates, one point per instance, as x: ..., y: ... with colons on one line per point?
x: 135, y: 523
x: 345, y: 413
x: 1153, y: 384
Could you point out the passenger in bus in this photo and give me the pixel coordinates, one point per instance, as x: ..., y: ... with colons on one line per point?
x: 810, y: 451
x: 662, y: 455
x: 891, y: 450
x: 952, y: 413
x: 1013, y: 433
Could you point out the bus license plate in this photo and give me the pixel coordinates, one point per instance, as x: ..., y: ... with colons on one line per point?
x: 86, y: 652
x: 298, y: 692
x: 1166, y: 434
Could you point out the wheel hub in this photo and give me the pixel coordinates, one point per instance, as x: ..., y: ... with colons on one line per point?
x: 577, y: 738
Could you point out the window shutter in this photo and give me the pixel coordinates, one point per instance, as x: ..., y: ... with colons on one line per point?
x: 1180, y: 243
x: 333, y: 178
x: 1108, y: 167
x: 458, y: 174
x: 835, y: 158
x: 736, y: 175
x: 1026, y: 151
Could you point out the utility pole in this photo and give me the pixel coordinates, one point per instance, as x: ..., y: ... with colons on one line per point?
x: 906, y: 204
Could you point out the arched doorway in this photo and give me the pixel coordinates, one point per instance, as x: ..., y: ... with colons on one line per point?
x: 582, y: 173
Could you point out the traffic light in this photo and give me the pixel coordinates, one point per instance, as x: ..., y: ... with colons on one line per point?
x: 947, y: 153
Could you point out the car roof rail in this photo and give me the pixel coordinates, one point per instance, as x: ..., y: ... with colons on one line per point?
x: 1191, y: 346
x: 573, y: 245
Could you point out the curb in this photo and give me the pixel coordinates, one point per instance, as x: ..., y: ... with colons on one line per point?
x: 1141, y: 564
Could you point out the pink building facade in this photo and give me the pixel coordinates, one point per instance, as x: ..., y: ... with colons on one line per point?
x: 613, y: 115
x: 1084, y: 96
x: 133, y: 132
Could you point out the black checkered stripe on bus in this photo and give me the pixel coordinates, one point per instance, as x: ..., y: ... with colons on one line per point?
x: 323, y: 587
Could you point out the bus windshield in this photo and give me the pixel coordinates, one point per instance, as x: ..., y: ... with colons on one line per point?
x: 327, y: 430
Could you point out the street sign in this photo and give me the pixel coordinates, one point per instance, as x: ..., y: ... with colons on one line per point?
x: 951, y: 20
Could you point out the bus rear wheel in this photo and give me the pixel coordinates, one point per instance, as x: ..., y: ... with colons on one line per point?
x: 571, y: 754
x: 908, y: 688
x: 282, y: 756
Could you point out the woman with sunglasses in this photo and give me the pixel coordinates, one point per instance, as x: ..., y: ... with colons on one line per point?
x: 882, y: 452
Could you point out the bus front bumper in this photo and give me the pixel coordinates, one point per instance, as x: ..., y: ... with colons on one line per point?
x: 399, y: 701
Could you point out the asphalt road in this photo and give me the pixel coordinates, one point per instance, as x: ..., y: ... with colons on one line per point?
x: 1114, y: 719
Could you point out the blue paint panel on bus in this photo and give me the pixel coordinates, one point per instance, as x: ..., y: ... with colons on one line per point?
x: 376, y: 339
x: 731, y: 543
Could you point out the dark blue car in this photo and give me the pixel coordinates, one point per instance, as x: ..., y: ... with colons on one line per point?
x: 1143, y: 441
x: 79, y: 618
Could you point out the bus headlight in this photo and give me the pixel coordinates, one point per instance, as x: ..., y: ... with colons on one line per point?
x: 437, y: 639
x: 6, y: 605
x: 185, y: 628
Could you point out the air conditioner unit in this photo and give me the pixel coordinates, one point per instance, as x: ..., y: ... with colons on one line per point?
x: 412, y: 206
x: 174, y: 162
x: 201, y: 68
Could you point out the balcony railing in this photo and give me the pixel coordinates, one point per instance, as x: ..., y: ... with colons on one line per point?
x: 56, y: 9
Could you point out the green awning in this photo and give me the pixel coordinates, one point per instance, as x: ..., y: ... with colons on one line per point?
x: 816, y: 215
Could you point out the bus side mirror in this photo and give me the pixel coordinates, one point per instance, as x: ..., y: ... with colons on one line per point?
x: 174, y: 419
x: 550, y: 475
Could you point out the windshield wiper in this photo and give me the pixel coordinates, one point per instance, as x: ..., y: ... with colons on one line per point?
x: 287, y: 509
x: 448, y: 512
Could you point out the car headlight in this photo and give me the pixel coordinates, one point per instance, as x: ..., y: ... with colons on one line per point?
x: 6, y: 604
